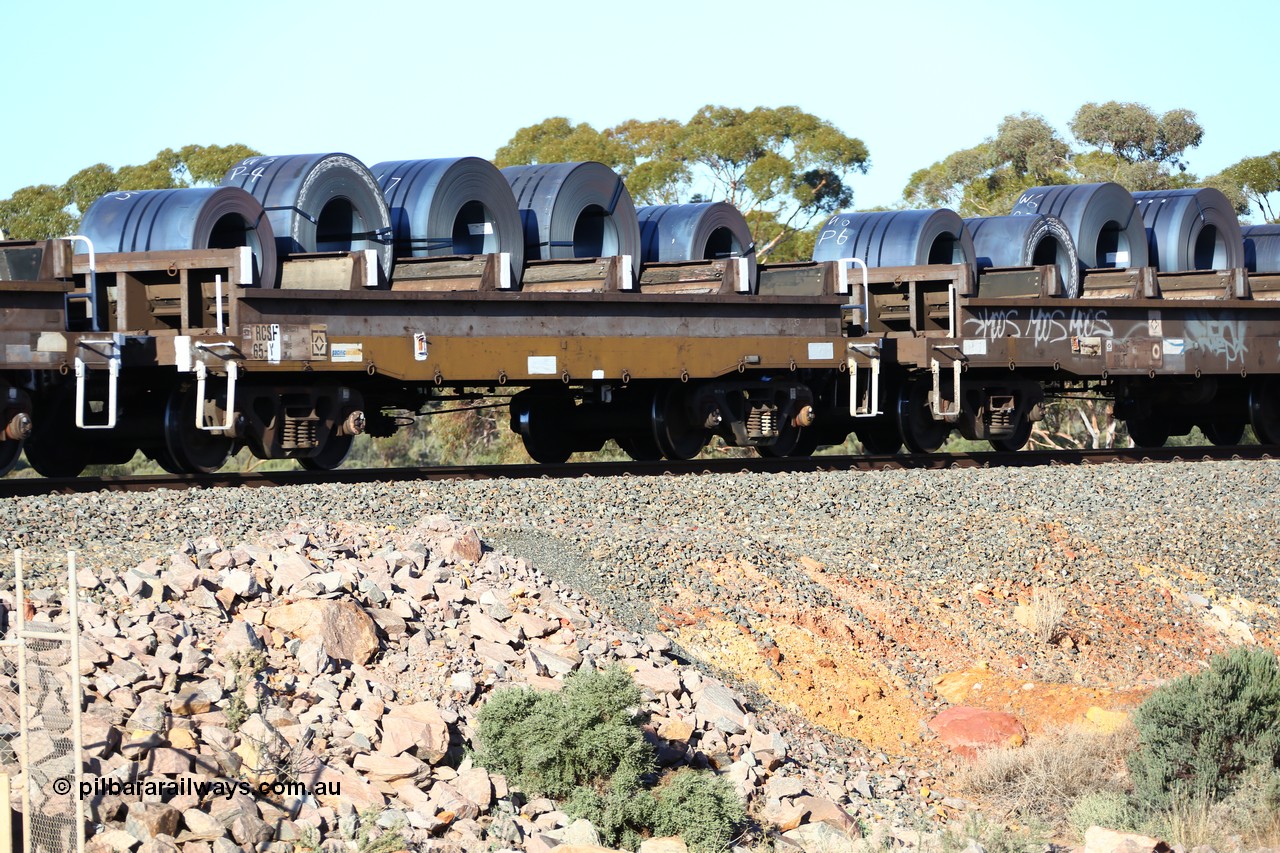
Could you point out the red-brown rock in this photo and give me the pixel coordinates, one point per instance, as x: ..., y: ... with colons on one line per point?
x: 967, y: 730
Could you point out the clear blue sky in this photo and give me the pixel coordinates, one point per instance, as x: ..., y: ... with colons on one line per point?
x: 116, y: 82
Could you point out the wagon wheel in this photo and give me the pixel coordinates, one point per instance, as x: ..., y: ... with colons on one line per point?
x: 1264, y: 409
x: 10, y: 450
x: 792, y: 441
x: 542, y: 423
x: 192, y: 450
x: 1147, y: 432
x: 641, y: 448
x: 1016, y: 440
x: 56, y: 447
x: 879, y: 436
x: 1224, y: 433
x: 919, y: 431
x: 676, y: 435
x: 335, y: 450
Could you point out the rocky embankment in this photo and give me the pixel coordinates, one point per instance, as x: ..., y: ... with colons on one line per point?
x: 867, y: 619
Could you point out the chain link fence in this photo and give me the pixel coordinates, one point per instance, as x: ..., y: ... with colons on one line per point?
x: 40, y: 721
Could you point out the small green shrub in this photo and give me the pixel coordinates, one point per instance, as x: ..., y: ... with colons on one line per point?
x: 551, y: 743
x: 622, y: 814
x: 701, y: 808
x: 583, y: 744
x: 1198, y: 734
x: 1109, y: 809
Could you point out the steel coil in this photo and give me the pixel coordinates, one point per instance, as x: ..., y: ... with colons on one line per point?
x: 1024, y: 241
x: 896, y: 238
x: 1262, y: 248
x: 689, y: 232
x: 1102, y: 218
x: 1191, y: 229
x: 196, y: 218
x: 452, y: 206
x: 575, y: 210
x: 318, y: 203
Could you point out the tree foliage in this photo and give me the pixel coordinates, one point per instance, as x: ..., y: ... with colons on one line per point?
x: 1255, y: 184
x: 784, y: 168
x: 987, y: 179
x: 40, y: 212
x: 1122, y: 142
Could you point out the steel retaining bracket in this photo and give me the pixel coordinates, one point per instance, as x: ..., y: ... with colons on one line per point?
x: 872, y: 407
x: 202, y: 375
x: 113, y: 382
x: 935, y: 400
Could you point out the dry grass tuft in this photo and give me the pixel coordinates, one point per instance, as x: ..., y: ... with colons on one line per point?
x: 1047, y: 610
x: 1041, y: 780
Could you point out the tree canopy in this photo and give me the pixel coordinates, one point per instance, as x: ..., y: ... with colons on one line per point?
x: 40, y: 212
x: 1254, y: 184
x: 785, y: 169
x: 1121, y: 142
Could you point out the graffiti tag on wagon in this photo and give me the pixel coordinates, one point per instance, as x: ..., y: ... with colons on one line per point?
x: 1040, y: 325
x: 1227, y: 339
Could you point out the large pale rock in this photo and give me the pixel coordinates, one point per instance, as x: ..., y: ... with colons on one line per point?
x: 668, y: 844
x: 421, y: 721
x: 716, y: 703
x: 821, y: 836
x: 967, y: 730
x: 201, y: 826
x: 474, y: 784
x: 1098, y: 839
x: 147, y: 820
x: 825, y: 811
x: 346, y: 631
x: 380, y: 767
x: 487, y: 628
x: 660, y: 680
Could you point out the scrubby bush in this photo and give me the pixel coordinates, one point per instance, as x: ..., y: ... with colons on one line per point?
x: 701, y: 808
x: 583, y: 745
x: 551, y: 743
x: 1110, y: 809
x: 1200, y: 733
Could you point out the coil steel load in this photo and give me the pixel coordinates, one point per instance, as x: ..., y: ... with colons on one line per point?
x: 318, y: 203
x: 575, y: 210
x: 195, y: 218
x: 1262, y: 248
x: 896, y: 238
x: 1102, y: 218
x: 1190, y: 229
x: 452, y: 206
x: 689, y: 232
x: 1023, y: 241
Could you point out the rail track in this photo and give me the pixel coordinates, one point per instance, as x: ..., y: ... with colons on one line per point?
x: 17, y: 488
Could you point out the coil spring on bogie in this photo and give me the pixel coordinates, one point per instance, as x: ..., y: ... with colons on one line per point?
x: 762, y: 421
x: 299, y: 433
x: 999, y: 415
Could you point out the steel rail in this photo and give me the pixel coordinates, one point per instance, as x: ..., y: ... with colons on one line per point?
x: 16, y: 488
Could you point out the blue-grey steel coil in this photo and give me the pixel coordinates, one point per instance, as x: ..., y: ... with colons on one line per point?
x: 896, y: 238
x: 452, y: 206
x: 194, y: 218
x: 1023, y: 241
x: 575, y: 210
x: 319, y: 203
x: 689, y: 232
x: 1191, y: 229
x: 1262, y: 248
x: 1102, y: 218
